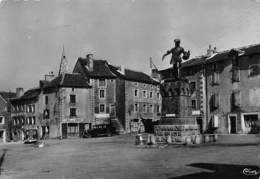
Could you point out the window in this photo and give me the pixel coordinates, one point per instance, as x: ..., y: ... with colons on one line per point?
x: 102, y: 83
x: 144, y: 85
x: 151, y: 94
x: 158, y: 95
x: 192, y: 86
x: 235, y: 74
x: 254, y: 70
x: 158, y: 109
x: 151, y: 86
x: 235, y: 100
x: 112, y: 110
x: 2, y: 119
x: 73, y: 112
x: 193, y: 104
x: 33, y: 120
x: 136, y: 107
x: 102, y: 108
x: 46, y: 114
x: 136, y: 93
x: 144, y: 94
x: 73, y: 99
x: 144, y: 108
x: 46, y: 100
x: 102, y: 94
x: 214, y: 101
x: 215, y: 74
x: 151, y: 108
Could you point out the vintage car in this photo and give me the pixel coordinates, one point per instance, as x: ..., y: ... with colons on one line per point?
x: 99, y: 130
x: 31, y: 136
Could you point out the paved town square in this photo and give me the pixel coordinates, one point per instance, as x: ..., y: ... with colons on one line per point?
x: 117, y: 157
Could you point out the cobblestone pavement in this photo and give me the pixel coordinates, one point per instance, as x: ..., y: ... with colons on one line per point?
x: 117, y: 157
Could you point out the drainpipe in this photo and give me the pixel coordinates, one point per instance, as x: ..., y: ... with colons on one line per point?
x: 206, y: 93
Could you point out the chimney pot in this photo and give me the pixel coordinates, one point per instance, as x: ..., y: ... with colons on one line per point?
x: 19, y: 92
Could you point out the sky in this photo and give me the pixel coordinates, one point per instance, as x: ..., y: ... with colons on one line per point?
x: 123, y: 32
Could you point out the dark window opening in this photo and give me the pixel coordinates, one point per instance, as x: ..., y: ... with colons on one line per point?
x: 72, y: 99
x: 73, y: 112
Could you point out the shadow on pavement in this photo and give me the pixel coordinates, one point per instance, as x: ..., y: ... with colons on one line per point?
x: 2, y: 159
x: 222, y: 171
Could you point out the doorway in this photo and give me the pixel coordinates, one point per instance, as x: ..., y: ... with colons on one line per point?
x: 199, y: 122
x: 232, y: 124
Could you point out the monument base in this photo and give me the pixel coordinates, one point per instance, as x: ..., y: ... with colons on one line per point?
x: 186, y: 133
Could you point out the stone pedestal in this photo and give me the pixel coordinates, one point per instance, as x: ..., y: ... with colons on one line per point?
x: 176, y: 121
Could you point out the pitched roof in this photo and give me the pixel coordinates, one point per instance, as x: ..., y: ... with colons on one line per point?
x: 220, y: 56
x: 194, y: 61
x: 100, y: 69
x: 73, y: 80
x: 28, y: 96
x: 7, y: 95
x: 132, y: 75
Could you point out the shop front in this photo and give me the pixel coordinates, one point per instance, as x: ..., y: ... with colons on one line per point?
x: 74, y: 128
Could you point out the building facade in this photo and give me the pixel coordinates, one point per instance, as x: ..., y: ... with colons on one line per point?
x: 5, y: 116
x: 57, y: 109
x: 141, y: 97
x: 124, y: 97
x: 103, y: 91
x: 67, y: 108
x: 26, y: 111
x: 230, y: 79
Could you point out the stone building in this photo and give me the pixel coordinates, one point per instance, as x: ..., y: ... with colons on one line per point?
x: 122, y: 97
x: 141, y: 97
x: 5, y: 115
x: 228, y: 89
x: 103, y: 91
x: 57, y: 108
x: 66, y: 108
x: 26, y: 111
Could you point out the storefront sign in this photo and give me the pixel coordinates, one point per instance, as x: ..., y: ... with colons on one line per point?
x: 73, y: 120
x: 196, y: 112
x: 170, y: 115
x: 105, y: 115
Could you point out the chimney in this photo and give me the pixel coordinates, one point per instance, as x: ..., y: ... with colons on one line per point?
x: 89, y: 58
x: 122, y: 69
x: 155, y: 74
x: 215, y: 50
x: 19, y: 92
x: 49, y: 76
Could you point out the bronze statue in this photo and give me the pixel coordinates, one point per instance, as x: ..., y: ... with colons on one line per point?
x: 176, y: 59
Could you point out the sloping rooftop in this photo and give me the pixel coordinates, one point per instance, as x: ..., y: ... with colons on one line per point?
x: 100, y: 69
x: 7, y: 95
x: 73, y: 80
x: 220, y: 56
x: 132, y: 75
x: 28, y: 96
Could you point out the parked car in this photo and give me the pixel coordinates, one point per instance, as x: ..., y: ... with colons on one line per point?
x: 99, y: 130
x: 31, y: 136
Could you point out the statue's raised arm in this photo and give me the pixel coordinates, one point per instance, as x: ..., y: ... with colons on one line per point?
x: 178, y: 53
